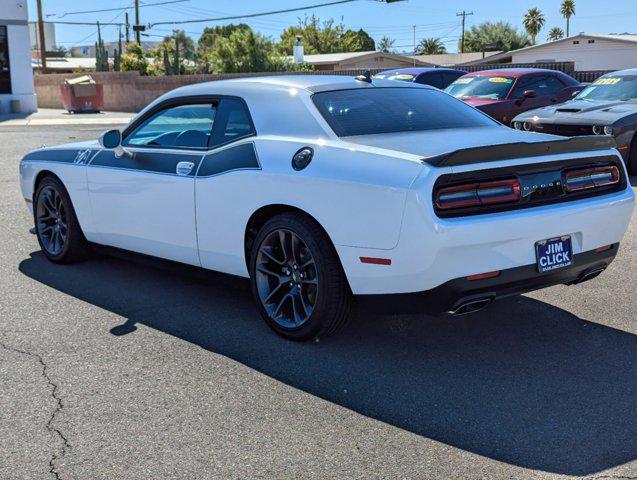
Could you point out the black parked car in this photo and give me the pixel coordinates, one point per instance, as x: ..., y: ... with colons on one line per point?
x: 436, y: 77
x: 608, y: 106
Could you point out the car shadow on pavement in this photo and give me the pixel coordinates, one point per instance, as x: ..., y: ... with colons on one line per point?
x: 522, y: 382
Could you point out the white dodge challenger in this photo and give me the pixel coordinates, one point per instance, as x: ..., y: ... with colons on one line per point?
x: 324, y: 189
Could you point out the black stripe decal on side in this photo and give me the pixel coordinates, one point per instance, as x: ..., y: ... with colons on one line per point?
x: 61, y: 155
x: 152, y: 162
x: 241, y: 157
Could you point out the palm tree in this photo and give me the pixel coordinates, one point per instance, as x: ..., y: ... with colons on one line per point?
x: 555, y: 33
x: 533, y: 22
x: 430, y: 46
x: 567, y: 11
x: 386, y: 45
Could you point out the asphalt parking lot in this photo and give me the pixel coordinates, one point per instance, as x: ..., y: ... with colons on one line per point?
x: 111, y: 369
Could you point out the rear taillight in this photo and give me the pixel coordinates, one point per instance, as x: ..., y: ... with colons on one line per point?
x: 586, y: 178
x: 477, y: 194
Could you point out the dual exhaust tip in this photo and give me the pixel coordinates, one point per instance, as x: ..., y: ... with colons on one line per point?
x: 477, y: 303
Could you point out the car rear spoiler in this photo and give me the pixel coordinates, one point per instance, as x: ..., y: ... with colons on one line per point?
x: 493, y: 153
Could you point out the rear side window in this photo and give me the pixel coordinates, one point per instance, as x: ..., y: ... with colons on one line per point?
x: 432, y: 78
x: 233, y: 122
x: 544, y: 85
x: 371, y: 111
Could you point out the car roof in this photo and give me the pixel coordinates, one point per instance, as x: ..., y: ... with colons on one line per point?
x: 418, y: 70
x: 513, y: 72
x: 628, y: 71
x: 310, y: 83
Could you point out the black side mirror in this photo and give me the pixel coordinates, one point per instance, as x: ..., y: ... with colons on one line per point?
x: 111, y: 139
x: 529, y: 94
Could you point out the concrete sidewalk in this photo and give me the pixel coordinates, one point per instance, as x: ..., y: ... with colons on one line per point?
x: 49, y: 116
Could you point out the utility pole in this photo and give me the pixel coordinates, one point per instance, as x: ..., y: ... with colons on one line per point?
x: 127, y: 29
x: 137, y: 32
x: 463, y: 14
x: 41, y: 34
x: 414, y: 27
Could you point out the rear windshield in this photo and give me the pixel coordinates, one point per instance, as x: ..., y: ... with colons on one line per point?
x: 370, y: 111
x: 491, y: 87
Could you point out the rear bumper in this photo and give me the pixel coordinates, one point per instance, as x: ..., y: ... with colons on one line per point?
x: 449, y: 296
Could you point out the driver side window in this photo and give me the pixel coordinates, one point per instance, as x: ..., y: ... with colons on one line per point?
x: 182, y: 126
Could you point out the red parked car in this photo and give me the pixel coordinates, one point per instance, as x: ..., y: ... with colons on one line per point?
x: 505, y: 93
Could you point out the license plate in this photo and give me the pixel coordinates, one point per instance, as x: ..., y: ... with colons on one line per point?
x: 554, y: 253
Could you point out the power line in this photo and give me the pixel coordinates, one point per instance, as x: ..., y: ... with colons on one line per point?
x: 62, y: 15
x: 252, y: 15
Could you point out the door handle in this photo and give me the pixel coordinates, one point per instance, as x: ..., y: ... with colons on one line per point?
x: 184, y: 168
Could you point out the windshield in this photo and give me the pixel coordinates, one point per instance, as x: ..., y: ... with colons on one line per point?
x: 369, y: 111
x: 493, y: 87
x: 611, y: 88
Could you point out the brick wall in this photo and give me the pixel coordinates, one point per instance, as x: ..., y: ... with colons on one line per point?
x: 130, y: 92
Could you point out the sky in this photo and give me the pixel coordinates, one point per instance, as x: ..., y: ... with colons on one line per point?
x: 395, y: 20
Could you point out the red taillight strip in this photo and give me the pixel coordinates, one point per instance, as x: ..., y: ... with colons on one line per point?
x: 476, y: 194
x: 586, y: 178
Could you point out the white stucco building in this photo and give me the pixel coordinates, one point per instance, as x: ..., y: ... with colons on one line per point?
x: 588, y: 51
x: 16, y: 74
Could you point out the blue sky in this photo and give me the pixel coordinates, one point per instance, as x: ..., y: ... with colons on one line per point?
x: 432, y: 19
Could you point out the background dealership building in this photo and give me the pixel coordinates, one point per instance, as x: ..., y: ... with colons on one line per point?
x: 16, y: 73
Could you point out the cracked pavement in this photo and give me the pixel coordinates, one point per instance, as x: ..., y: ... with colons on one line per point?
x: 111, y: 369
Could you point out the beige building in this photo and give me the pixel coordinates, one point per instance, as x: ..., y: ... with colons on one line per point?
x: 451, y: 59
x: 587, y: 51
x: 357, y: 60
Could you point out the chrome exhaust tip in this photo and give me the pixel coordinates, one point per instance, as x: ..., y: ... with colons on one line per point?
x: 473, y: 305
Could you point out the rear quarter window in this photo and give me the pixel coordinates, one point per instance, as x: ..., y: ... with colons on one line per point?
x: 372, y: 111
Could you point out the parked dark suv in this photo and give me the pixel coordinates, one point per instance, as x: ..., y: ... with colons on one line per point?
x: 503, y: 94
x: 436, y: 77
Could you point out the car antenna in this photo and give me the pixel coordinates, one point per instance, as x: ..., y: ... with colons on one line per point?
x: 365, y: 77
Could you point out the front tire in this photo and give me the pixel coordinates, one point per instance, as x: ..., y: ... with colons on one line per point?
x: 297, y: 280
x: 56, y: 226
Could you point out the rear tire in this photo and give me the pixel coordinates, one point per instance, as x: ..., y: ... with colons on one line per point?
x: 297, y: 280
x: 56, y: 226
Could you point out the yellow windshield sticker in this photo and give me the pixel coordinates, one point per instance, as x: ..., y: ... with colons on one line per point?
x: 463, y: 80
x: 500, y: 80
x: 378, y: 76
x: 403, y: 76
x: 607, y: 81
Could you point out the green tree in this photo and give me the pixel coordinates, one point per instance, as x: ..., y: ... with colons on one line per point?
x: 324, y: 37
x: 358, y: 41
x: 386, y: 45
x: 186, y: 44
x: 117, y: 58
x: 567, y: 9
x: 75, y: 53
x: 101, y: 54
x: 555, y: 33
x: 244, y: 51
x: 211, y: 34
x: 166, y: 60
x: 134, y: 59
x: 430, y: 46
x: 499, y: 36
x: 533, y: 22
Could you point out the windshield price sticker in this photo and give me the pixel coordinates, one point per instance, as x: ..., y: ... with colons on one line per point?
x: 500, y: 80
x: 607, y: 81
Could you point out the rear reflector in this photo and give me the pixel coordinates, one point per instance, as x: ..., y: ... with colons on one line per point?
x: 604, y: 248
x: 481, y: 276
x: 586, y: 178
x: 376, y: 261
x: 476, y: 194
